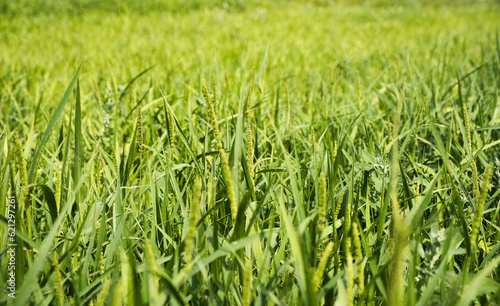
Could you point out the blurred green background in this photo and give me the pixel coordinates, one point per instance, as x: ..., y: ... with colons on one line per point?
x: 35, y: 7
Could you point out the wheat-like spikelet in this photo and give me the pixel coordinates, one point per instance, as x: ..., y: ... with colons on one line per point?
x: 58, y: 283
x: 475, y: 179
x: 209, y: 181
x: 467, y: 127
x: 337, y: 208
x: 171, y: 137
x: 91, y: 190
x: 318, y: 276
x: 419, y: 117
x: 211, y: 114
x: 98, y: 174
x: 247, y: 284
x: 349, y: 273
x: 334, y: 150
x: 102, y: 261
x: 21, y: 166
x: 250, y: 153
x: 347, y: 219
x: 226, y: 172
x: 478, y: 214
x: 192, y: 219
x: 104, y: 293
x: 322, y: 203
x: 115, y: 160
x: 359, y: 258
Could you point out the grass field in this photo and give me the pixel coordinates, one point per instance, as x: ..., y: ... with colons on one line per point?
x: 250, y: 153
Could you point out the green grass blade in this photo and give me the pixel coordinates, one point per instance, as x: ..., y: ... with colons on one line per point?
x: 50, y: 127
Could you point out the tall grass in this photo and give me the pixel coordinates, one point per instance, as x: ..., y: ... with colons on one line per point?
x: 327, y: 163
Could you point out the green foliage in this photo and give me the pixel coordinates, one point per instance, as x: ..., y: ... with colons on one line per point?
x: 144, y: 7
x: 77, y: 7
x: 334, y: 154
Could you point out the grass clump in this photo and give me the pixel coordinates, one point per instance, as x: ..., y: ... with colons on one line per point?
x: 339, y: 155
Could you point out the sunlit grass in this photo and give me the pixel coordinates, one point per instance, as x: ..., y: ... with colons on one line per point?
x: 267, y: 154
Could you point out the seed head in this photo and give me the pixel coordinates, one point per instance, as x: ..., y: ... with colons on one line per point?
x: 104, y: 293
x: 475, y: 181
x: 467, y: 127
x: 337, y: 207
x: 58, y: 283
x: 211, y: 114
x: 359, y: 258
x: 192, y: 219
x: 350, y: 274
x: 347, y: 219
x: 318, y: 276
x: 313, y: 139
x: 170, y: 119
x: 478, y: 214
x: 226, y: 172
x: 250, y: 155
